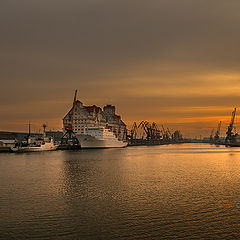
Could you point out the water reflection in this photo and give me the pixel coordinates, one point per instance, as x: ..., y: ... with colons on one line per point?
x: 145, y: 192
x: 184, y: 191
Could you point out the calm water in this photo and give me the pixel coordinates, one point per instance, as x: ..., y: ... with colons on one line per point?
x: 187, y: 191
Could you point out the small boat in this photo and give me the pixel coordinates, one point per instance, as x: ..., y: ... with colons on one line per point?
x: 35, y: 144
x: 47, y: 144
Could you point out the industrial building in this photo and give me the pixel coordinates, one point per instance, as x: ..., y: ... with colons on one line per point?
x: 88, y: 116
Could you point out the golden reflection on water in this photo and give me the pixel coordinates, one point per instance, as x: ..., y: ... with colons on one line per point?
x: 131, y: 193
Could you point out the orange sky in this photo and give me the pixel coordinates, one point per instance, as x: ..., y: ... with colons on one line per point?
x: 175, y: 62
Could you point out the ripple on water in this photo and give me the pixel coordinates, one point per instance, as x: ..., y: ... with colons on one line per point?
x: 186, y: 191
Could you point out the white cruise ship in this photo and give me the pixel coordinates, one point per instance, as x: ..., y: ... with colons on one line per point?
x: 99, y: 137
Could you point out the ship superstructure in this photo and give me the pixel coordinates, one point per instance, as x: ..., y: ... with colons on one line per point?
x: 35, y: 144
x: 99, y: 137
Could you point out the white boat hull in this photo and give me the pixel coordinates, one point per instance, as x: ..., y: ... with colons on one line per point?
x: 33, y: 149
x: 87, y: 141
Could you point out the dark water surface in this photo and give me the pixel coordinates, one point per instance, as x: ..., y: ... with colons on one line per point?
x: 188, y: 191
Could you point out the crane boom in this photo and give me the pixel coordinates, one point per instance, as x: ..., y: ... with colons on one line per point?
x: 218, y: 128
x: 230, y: 127
x: 211, y: 136
x: 217, y: 134
x: 69, y: 136
x: 74, y: 107
x: 170, y: 134
x: 233, y: 116
x: 146, y: 127
x: 134, y: 131
x: 75, y: 97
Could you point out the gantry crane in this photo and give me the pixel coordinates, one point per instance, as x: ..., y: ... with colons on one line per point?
x: 177, y: 136
x: 133, y: 132
x: 230, y: 127
x: 166, y: 134
x: 217, y: 134
x: 211, y: 135
x: 156, y: 133
x: 169, y: 133
x: 146, y: 127
x: 69, y: 136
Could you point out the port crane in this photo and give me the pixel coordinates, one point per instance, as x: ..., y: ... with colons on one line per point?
x: 44, y: 129
x: 146, y: 127
x: 153, y: 133
x: 69, y: 136
x: 177, y: 136
x: 230, y: 127
x: 211, y: 135
x: 217, y: 134
x: 156, y: 133
x: 169, y: 133
x: 133, y: 132
x: 166, y: 134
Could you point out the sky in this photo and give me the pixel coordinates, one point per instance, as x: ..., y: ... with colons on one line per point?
x: 174, y: 62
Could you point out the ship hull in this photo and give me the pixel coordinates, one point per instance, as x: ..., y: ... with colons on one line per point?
x: 233, y: 144
x: 87, y: 141
x: 33, y: 149
x: 235, y: 141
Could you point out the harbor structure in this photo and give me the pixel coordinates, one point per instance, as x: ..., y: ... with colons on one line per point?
x: 90, y: 116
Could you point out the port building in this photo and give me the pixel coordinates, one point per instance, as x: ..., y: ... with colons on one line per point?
x: 88, y: 116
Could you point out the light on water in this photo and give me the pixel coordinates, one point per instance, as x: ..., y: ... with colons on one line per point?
x: 188, y: 191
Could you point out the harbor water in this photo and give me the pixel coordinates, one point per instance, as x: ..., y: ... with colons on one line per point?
x: 184, y: 191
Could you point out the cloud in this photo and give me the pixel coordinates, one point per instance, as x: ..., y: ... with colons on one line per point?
x: 143, y: 56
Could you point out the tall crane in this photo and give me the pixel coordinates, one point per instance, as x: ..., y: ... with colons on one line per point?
x: 44, y: 129
x: 146, y: 127
x: 156, y: 133
x: 177, y: 136
x: 134, y: 131
x: 230, y: 127
x: 217, y: 134
x: 69, y: 136
x: 211, y: 135
x: 166, y: 135
x: 170, y: 134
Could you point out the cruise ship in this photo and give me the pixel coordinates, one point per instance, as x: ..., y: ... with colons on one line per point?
x: 99, y: 137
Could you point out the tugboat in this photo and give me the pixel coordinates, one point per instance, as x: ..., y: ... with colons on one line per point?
x: 35, y: 144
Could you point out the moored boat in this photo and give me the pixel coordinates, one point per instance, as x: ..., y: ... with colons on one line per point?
x: 33, y: 144
x: 99, y: 137
x: 47, y: 144
x: 235, y: 141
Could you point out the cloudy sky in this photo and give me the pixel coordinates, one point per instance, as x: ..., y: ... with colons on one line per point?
x: 175, y: 62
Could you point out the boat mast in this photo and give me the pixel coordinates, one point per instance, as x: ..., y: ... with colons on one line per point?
x: 29, y: 128
x: 29, y: 132
x: 44, y: 129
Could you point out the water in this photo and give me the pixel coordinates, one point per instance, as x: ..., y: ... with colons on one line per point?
x: 188, y: 191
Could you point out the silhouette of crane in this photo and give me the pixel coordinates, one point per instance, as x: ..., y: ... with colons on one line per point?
x: 217, y: 134
x: 230, y: 127
x: 69, y: 136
